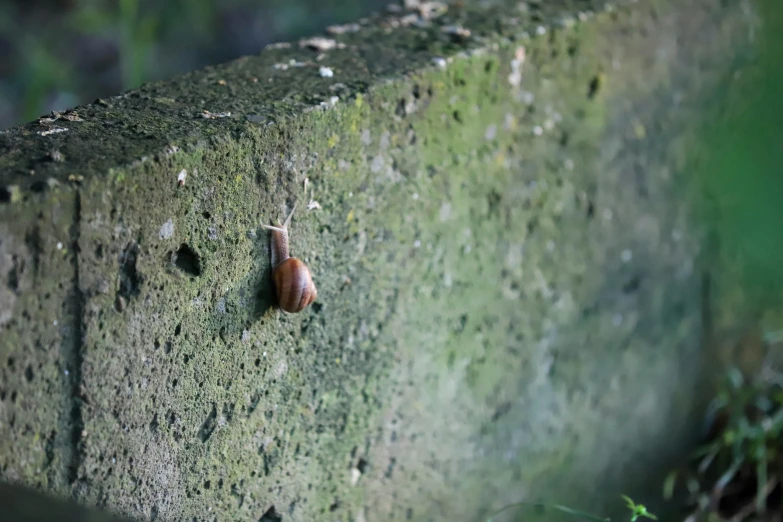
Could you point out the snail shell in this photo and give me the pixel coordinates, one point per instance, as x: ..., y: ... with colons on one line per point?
x: 294, y: 285
x: 292, y: 279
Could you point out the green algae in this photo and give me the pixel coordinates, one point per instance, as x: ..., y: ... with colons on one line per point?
x: 505, y: 270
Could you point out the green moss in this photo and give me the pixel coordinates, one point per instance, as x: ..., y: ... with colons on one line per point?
x: 505, y: 273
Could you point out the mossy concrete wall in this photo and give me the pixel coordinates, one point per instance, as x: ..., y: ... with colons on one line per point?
x: 494, y: 207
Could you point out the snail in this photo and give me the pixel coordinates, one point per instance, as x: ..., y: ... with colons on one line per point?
x: 293, y: 282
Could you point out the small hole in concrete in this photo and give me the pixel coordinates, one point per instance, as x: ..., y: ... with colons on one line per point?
x: 271, y: 515
x: 632, y: 285
x: 400, y: 109
x: 362, y: 465
x: 187, y: 260
x: 590, y: 210
x: 594, y: 87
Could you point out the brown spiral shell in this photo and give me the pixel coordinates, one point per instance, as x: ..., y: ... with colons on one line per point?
x: 294, y: 285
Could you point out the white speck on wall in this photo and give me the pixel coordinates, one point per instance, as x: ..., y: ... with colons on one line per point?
x: 167, y: 230
x: 52, y: 130
x: 514, y: 256
x: 445, y: 211
x: 319, y: 43
x: 515, y: 76
x: 355, y: 474
x: 385, y: 140
x: 361, y: 517
x: 377, y: 164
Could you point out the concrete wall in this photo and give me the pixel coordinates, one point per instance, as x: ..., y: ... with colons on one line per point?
x: 510, y: 299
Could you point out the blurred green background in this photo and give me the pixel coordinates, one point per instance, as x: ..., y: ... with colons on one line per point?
x: 739, y: 177
x: 55, y: 54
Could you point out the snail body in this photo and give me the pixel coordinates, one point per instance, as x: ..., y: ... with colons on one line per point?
x: 293, y: 282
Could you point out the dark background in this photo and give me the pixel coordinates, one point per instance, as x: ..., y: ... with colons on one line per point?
x: 56, y: 54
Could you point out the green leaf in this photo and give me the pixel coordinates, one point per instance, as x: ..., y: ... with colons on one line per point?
x: 668, y: 485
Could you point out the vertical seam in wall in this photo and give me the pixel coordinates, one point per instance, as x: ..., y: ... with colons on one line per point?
x: 74, y: 355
